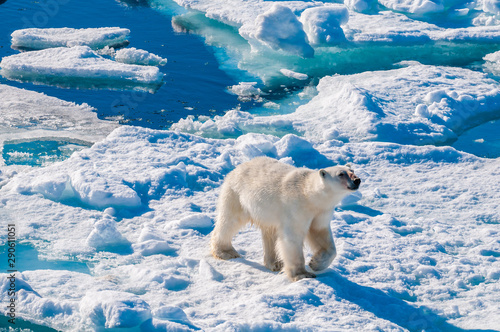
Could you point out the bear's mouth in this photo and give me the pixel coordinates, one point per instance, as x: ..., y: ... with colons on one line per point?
x: 353, y: 184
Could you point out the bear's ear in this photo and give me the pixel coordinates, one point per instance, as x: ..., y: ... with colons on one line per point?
x: 322, y: 173
x: 349, y: 166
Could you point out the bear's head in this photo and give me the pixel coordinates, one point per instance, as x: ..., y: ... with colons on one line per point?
x: 340, y: 178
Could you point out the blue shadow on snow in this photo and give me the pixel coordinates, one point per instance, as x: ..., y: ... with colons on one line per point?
x: 387, y: 307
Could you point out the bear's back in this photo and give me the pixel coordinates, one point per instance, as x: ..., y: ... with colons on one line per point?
x: 258, y: 174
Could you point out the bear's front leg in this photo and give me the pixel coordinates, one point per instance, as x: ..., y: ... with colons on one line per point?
x: 291, y: 250
x: 323, y: 247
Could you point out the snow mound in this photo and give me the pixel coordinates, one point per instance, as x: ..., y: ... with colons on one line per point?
x: 78, y: 66
x: 105, y: 236
x: 279, y: 29
x: 94, y: 38
x: 422, y: 7
x: 322, y: 24
x: 113, y: 309
x: 361, y: 6
x: 195, y: 221
x: 133, y: 55
x: 246, y: 91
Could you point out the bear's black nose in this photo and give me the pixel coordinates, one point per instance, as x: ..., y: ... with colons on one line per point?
x: 357, y: 181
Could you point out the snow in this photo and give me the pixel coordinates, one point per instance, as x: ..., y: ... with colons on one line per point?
x: 139, y: 57
x: 279, y: 29
x: 322, y: 24
x: 415, y: 234
x: 119, y: 224
x: 77, y: 66
x: 95, y: 38
x: 245, y: 90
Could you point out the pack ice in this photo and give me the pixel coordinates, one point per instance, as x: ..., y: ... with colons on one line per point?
x: 317, y: 38
x: 118, y: 231
x: 417, y: 104
x: 137, y: 207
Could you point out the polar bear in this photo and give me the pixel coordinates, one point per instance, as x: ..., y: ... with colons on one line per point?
x: 290, y: 205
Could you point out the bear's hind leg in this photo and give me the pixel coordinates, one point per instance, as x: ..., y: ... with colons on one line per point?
x: 221, y: 241
x: 230, y: 219
x: 271, y: 260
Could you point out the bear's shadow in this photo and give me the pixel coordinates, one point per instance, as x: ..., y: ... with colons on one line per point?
x: 387, y: 307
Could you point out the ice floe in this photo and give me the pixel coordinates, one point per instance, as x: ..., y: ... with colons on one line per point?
x: 414, y: 240
x: 341, y: 43
x: 293, y: 74
x: 95, y: 38
x: 246, y: 90
x: 139, y: 57
x: 413, y: 105
x: 79, y: 66
x: 417, y: 246
x: 31, y: 119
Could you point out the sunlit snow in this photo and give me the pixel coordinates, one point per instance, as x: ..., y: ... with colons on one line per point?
x: 113, y: 222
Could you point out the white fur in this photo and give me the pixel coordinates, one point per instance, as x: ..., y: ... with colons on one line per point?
x: 289, y: 204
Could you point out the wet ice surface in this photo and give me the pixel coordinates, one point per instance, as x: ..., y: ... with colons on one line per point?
x: 116, y: 233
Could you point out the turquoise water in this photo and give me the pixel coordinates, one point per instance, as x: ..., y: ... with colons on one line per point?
x: 27, y: 260
x: 38, y: 152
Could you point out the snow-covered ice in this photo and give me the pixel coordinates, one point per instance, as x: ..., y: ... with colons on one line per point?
x: 95, y: 38
x: 29, y: 117
x: 78, y: 66
x: 416, y: 251
x: 322, y: 24
x: 28, y: 114
x: 119, y: 221
x: 417, y: 104
x: 336, y: 42
x: 139, y: 57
